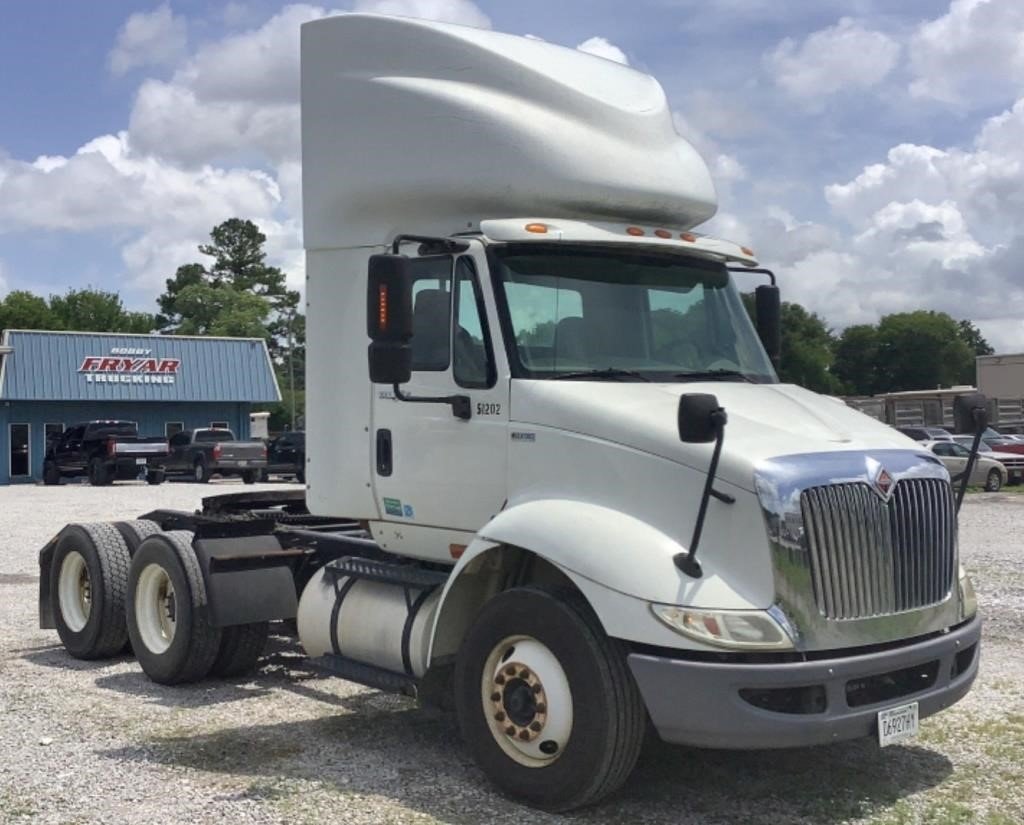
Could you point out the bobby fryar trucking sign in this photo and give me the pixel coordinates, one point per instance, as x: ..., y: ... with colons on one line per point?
x: 129, y: 366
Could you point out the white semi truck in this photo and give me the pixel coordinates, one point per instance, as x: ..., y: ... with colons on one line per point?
x: 553, y: 480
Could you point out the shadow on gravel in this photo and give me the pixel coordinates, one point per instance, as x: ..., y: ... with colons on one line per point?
x: 385, y: 746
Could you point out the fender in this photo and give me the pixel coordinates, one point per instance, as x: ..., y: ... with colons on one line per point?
x: 617, y: 561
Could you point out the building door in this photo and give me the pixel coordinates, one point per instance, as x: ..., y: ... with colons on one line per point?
x: 20, y: 455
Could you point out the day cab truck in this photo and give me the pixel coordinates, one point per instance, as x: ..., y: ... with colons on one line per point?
x: 553, y: 480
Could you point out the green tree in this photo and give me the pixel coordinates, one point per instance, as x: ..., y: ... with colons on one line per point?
x: 21, y: 309
x: 920, y: 350
x: 237, y: 291
x: 806, y: 350
x: 972, y: 336
x: 856, y: 359
x: 96, y: 310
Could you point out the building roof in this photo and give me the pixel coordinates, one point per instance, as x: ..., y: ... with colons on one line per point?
x: 86, y: 366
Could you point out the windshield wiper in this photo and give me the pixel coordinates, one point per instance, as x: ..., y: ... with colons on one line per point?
x: 610, y: 372
x: 712, y: 374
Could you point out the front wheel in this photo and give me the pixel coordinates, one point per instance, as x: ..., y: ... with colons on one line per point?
x: 201, y: 472
x: 250, y: 476
x: 546, y: 701
x: 994, y: 481
x: 51, y: 473
x: 98, y: 474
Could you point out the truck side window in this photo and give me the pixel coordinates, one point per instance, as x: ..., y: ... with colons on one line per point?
x: 473, y: 360
x: 431, y: 313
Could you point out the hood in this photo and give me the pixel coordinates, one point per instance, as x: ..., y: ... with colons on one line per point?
x: 765, y: 421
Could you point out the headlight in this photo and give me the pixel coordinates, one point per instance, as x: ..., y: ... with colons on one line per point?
x: 734, y: 629
x: 968, y: 600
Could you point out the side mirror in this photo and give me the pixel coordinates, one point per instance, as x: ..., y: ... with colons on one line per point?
x: 768, y: 305
x: 389, y: 320
x: 701, y: 419
x: 970, y: 413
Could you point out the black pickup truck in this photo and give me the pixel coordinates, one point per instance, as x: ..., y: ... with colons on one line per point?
x: 104, y: 451
x: 208, y: 452
x: 286, y: 456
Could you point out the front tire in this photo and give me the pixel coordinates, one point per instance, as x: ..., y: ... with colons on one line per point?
x: 250, y: 476
x: 155, y: 477
x: 51, y: 474
x: 545, y: 700
x: 88, y: 585
x: 201, y: 472
x: 994, y: 481
x: 169, y: 621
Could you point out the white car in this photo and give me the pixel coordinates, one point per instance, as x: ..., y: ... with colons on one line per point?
x: 1013, y: 462
x: 987, y: 472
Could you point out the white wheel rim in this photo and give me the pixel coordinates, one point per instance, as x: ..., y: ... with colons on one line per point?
x: 199, y: 472
x: 155, y: 608
x: 74, y: 590
x: 527, y: 701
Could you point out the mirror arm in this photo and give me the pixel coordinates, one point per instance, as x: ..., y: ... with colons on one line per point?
x: 965, y: 477
x: 687, y: 562
x: 460, y: 404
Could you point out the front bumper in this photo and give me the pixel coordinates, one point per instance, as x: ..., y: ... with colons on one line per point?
x: 700, y: 703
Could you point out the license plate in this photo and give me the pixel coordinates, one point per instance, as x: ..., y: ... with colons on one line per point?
x: 243, y: 462
x: 140, y: 461
x: 897, y: 724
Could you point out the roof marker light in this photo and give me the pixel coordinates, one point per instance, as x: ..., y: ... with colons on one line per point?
x: 662, y: 233
x: 689, y: 237
x: 634, y: 230
x: 537, y: 228
x: 746, y: 250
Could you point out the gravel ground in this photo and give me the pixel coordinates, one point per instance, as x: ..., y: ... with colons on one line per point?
x: 96, y: 742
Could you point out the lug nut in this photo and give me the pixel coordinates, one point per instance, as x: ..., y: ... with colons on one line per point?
x: 499, y: 679
x: 495, y: 697
x: 499, y: 717
x: 537, y: 688
x: 542, y: 708
x: 524, y: 674
x: 510, y: 730
x: 510, y: 670
x: 524, y: 735
x: 535, y: 726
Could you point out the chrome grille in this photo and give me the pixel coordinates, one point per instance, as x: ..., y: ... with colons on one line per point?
x: 869, y: 557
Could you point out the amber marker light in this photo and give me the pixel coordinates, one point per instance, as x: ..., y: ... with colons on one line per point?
x: 746, y: 250
x: 634, y: 230
x: 382, y: 307
x: 689, y: 237
x: 662, y: 233
x: 537, y: 228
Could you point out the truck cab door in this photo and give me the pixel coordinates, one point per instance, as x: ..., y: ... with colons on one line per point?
x: 439, y: 479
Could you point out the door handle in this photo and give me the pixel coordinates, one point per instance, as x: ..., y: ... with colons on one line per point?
x: 384, y: 452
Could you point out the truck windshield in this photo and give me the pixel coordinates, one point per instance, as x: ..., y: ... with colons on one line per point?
x: 609, y: 314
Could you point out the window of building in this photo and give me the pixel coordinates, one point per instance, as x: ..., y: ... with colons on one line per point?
x: 20, y: 457
x: 51, y: 432
x: 172, y: 428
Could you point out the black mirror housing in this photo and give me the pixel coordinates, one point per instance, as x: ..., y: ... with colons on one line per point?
x: 970, y: 413
x: 700, y: 418
x: 768, y: 306
x: 390, y: 362
x: 389, y: 299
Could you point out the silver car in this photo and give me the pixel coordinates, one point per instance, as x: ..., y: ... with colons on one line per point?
x: 1013, y: 462
x: 987, y: 471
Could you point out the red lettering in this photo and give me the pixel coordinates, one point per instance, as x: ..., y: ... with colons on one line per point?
x: 109, y: 364
x: 168, y: 365
x: 90, y: 364
x: 146, y: 365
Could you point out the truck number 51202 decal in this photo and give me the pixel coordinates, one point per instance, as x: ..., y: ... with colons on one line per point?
x: 488, y: 409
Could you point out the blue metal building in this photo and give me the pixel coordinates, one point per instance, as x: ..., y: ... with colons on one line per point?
x: 51, y: 380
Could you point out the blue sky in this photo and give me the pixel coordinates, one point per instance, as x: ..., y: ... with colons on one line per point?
x: 872, y: 152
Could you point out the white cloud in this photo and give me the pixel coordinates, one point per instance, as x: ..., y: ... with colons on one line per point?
x: 844, y: 56
x: 156, y: 38
x: 602, y: 48
x: 973, y: 55
x: 444, y: 11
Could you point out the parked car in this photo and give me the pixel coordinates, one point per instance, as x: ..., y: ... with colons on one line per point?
x: 987, y: 471
x: 926, y: 433
x: 286, y: 456
x: 1013, y: 462
x: 205, y: 453
x: 1002, y: 443
x: 105, y: 451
